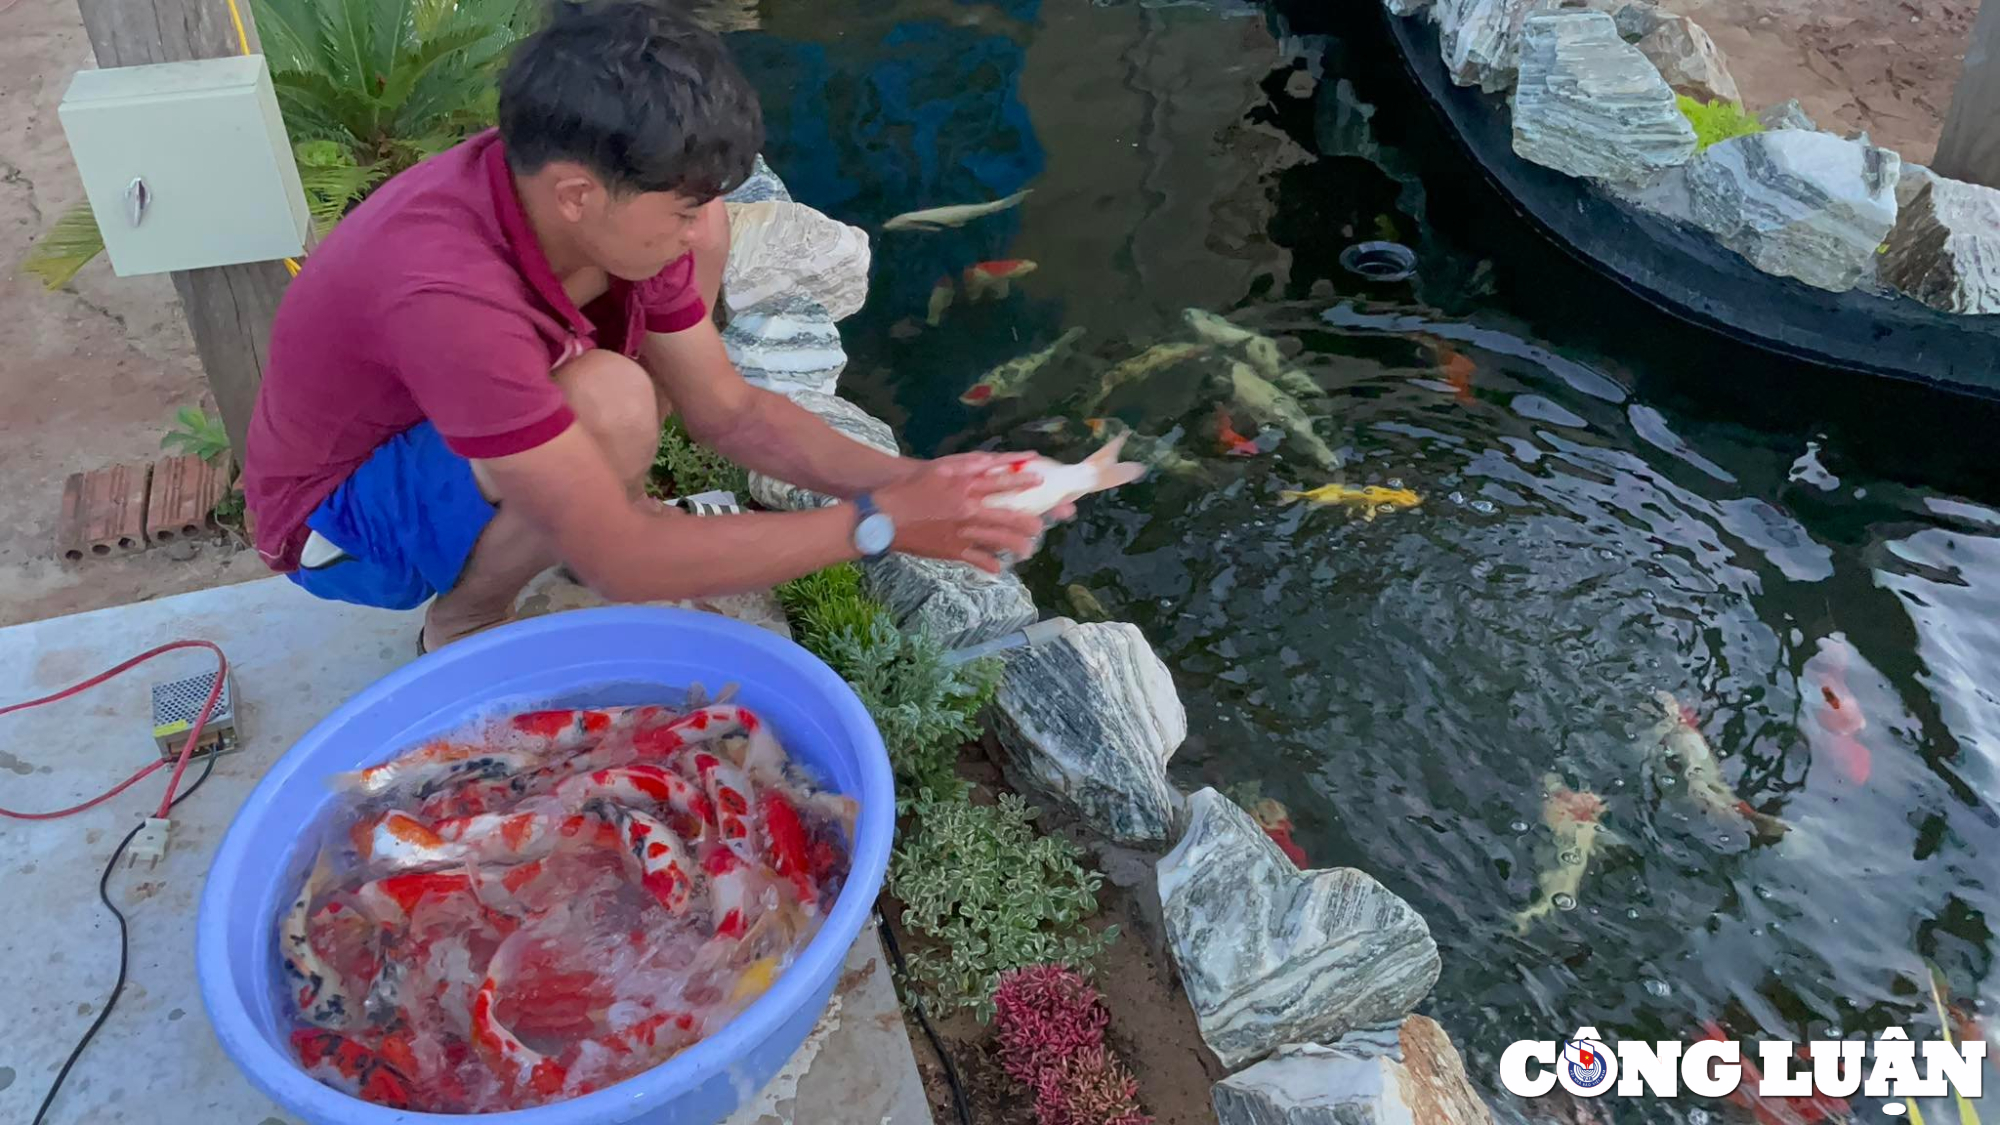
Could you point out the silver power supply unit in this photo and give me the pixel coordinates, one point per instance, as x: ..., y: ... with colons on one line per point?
x: 176, y: 703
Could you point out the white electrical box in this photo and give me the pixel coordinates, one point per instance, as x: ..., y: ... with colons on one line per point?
x: 186, y: 164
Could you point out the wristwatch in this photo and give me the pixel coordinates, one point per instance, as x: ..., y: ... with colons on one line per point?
x: 874, y: 531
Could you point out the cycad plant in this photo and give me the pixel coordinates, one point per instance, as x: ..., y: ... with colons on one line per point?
x: 367, y: 88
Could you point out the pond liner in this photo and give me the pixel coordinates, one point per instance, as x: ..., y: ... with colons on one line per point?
x: 1684, y: 273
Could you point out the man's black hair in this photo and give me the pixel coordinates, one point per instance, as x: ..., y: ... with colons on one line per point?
x: 637, y: 92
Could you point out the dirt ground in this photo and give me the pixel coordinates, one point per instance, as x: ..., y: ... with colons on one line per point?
x: 1152, y: 1024
x: 1886, y: 66
x: 90, y: 375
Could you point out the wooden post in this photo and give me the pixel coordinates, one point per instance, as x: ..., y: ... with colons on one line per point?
x: 1969, y: 150
x: 229, y: 308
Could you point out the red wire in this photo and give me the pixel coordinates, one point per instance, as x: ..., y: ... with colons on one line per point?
x: 187, y: 749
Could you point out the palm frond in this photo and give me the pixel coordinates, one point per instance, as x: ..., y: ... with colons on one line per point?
x: 332, y: 189
x: 315, y: 105
x: 414, y: 65
x: 391, y: 32
x: 66, y: 248
x: 347, y: 29
x: 289, y: 31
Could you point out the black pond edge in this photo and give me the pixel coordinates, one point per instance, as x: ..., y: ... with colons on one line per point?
x: 1684, y: 273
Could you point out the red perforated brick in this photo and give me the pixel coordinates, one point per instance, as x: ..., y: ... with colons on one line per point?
x: 184, y: 493
x: 103, y: 512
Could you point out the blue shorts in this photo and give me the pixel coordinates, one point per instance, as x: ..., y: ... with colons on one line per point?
x: 407, y: 518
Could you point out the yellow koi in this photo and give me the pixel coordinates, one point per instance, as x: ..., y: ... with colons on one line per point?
x: 1369, y: 499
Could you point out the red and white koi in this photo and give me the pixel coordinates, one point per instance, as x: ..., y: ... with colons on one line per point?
x: 1061, y: 483
x: 434, y: 766
x: 520, y: 1066
x: 641, y: 785
x: 730, y: 794
x: 702, y: 725
x: 659, y: 856
x: 1680, y: 736
x: 397, y: 841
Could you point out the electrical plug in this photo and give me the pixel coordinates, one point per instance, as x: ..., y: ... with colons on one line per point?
x: 151, y: 842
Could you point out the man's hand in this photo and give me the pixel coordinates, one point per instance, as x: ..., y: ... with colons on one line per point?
x: 940, y: 511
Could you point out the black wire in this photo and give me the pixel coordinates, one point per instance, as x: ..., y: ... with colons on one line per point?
x: 104, y: 895
x: 924, y: 1021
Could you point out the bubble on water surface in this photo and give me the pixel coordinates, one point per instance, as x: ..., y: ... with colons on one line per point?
x: 1632, y: 913
x: 1722, y: 839
x: 1518, y: 827
x: 1659, y: 988
x: 1698, y: 1117
x: 1565, y: 901
x: 1569, y: 856
x: 1484, y: 507
x: 1457, y: 498
x: 1395, y: 482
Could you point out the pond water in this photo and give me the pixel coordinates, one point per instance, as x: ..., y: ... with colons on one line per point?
x: 1609, y: 513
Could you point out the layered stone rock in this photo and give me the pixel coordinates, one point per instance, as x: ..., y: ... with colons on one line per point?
x: 1945, y: 250
x: 1410, y: 1075
x: 956, y: 604
x: 843, y: 416
x: 1480, y: 39
x: 1804, y: 205
x: 1088, y: 722
x: 1588, y: 104
x: 1270, y: 954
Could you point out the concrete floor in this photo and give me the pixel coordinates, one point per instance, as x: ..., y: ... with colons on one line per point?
x: 294, y: 658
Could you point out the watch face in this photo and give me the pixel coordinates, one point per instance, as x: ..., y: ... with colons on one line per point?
x: 874, y: 534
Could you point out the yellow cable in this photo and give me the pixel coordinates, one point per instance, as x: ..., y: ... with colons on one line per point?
x: 242, y: 37
x: 243, y: 45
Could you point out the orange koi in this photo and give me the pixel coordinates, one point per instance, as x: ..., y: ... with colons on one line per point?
x: 1276, y: 821
x: 1800, y: 1110
x: 1233, y: 443
x: 346, y: 1064
x: 995, y: 279
x: 1458, y: 372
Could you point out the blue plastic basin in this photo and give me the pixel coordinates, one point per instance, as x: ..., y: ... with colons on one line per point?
x: 589, y: 658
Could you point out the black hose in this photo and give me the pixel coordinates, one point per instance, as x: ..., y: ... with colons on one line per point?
x: 924, y: 1021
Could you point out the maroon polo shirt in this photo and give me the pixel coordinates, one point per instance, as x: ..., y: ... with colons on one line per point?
x: 431, y: 300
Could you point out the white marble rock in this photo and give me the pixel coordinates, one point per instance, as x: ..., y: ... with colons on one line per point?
x: 1089, y: 722
x: 1406, y: 7
x: 1795, y: 204
x: 1910, y: 184
x: 762, y: 184
x: 1415, y: 1077
x: 1272, y: 955
x: 1480, y: 39
x: 1945, y: 250
x: 787, y: 343
x: 1589, y: 104
x: 843, y: 416
x: 778, y: 247
x: 956, y: 604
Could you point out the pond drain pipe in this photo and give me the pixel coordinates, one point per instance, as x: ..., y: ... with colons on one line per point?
x: 1041, y: 632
